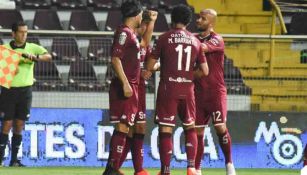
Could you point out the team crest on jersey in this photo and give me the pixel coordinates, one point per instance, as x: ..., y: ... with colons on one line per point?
x: 214, y: 41
x: 122, y: 38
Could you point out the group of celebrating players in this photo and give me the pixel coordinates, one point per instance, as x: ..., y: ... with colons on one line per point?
x: 186, y: 88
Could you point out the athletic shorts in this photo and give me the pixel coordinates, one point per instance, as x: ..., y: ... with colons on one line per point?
x: 15, y: 103
x: 168, y: 106
x: 215, y: 109
x: 141, y: 114
x: 122, y: 109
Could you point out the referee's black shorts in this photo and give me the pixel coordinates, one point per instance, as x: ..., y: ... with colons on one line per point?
x: 15, y: 103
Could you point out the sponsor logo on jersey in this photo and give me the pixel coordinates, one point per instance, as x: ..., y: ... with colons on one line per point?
x: 122, y: 38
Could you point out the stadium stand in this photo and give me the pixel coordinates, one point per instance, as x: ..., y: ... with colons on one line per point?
x: 169, y: 4
x: 98, y: 49
x: 298, y: 25
x: 8, y: 17
x: 161, y: 24
x: 192, y: 26
x: 33, y: 40
x: 47, y: 77
x: 68, y: 4
x: 33, y: 4
x: 46, y: 20
x: 7, y: 4
x: 112, y: 21
x: 88, y: 22
x: 82, y: 77
x: 65, y: 50
x: 101, y: 4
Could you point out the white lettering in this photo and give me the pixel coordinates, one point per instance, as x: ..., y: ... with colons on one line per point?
x: 71, y: 134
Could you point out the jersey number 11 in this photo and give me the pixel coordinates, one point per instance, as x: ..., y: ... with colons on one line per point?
x: 187, y: 50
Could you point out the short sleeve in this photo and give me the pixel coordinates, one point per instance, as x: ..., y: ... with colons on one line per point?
x: 201, y: 58
x: 39, y: 50
x: 119, y: 43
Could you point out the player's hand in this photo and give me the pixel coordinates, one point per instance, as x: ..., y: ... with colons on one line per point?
x: 146, y: 74
x: 153, y: 15
x: 204, y: 47
x: 127, y: 90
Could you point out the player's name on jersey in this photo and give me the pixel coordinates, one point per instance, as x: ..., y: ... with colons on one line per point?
x: 181, y: 39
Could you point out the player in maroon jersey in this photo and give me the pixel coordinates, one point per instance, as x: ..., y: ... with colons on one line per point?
x: 304, y: 169
x: 123, y: 95
x: 179, y: 51
x: 135, y: 137
x: 210, y: 91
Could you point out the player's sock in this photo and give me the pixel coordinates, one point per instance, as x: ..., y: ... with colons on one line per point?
x: 191, y: 146
x: 137, y: 152
x: 305, y: 156
x: 16, y: 142
x: 117, y: 144
x: 3, y: 141
x: 126, y: 150
x: 225, y: 143
x: 200, y: 151
x: 166, y: 151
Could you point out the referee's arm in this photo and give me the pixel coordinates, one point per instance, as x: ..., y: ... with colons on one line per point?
x: 44, y: 57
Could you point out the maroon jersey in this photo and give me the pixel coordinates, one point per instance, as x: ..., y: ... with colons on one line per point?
x: 212, y: 86
x: 126, y: 46
x: 179, y: 51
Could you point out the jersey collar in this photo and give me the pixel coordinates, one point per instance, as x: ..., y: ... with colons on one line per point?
x: 13, y: 46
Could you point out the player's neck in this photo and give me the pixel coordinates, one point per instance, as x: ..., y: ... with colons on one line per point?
x: 205, y: 33
x: 18, y: 44
x: 130, y: 24
x: 179, y: 26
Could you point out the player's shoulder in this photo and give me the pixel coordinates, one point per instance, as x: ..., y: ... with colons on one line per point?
x: 217, y: 36
x: 123, y: 30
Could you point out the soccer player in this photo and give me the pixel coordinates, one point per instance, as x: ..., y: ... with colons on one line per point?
x: 304, y: 169
x: 179, y: 51
x: 123, y: 95
x: 15, y: 103
x: 210, y: 91
x: 135, y: 137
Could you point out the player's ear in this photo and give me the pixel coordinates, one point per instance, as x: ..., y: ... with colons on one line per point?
x: 13, y: 34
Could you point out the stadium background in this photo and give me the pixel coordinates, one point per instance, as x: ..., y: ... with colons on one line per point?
x: 265, y: 73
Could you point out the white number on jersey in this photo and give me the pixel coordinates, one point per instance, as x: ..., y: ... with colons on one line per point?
x: 187, y: 50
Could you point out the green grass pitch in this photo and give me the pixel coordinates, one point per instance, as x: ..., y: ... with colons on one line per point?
x: 129, y: 171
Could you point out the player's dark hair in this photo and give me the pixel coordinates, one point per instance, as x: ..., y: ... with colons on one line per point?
x: 181, y: 14
x: 130, y: 8
x: 17, y: 24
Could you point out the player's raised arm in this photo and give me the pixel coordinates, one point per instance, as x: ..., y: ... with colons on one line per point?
x: 150, y: 18
x: 203, y: 69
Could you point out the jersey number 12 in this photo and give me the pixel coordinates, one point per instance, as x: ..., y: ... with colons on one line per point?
x: 187, y: 50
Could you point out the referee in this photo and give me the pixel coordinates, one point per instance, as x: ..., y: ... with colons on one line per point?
x: 15, y: 103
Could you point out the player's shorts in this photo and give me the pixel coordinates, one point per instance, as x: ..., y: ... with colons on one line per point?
x: 215, y: 109
x: 122, y: 109
x: 141, y: 114
x: 168, y: 106
x: 15, y: 103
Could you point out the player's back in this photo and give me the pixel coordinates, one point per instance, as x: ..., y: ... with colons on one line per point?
x: 178, y: 50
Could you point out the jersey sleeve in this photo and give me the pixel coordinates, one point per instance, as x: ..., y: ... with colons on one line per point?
x: 215, y: 44
x: 39, y: 50
x: 201, y: 58
x: 119, y: 43
x: 156, y: 50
